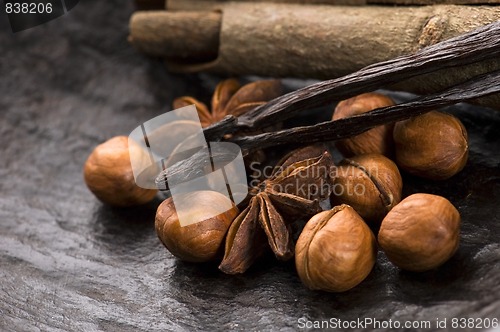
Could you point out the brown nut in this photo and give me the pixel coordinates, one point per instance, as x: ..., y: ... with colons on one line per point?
x: 370, y: 183
x: 336, y: 250
x: 376, y: 140
x: 432, y: 145
x: 420, y: 233
x: 201, y: 240
x: 108, y: 174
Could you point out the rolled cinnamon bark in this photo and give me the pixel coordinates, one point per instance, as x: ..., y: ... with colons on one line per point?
x: 315, y: 41
x: 193, y: 36
x: 209, y: 4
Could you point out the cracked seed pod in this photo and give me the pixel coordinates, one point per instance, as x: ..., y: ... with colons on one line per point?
x: 336, y: 250
x: 376, y: 140
x: 230, y: 98
x: 245, y: 241
x: 300, y: 180
x: 420, y: 233
x: 201, y: 240
x: 433, y: 145
x: 370, y: 183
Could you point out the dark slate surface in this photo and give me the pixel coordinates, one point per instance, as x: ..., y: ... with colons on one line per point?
x: 69, y: 263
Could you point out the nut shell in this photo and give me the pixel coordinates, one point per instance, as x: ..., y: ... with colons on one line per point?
x: 109, y: 176
x: 420, y: 233
x: 376, y: 140
x: 200, y: 241
x: 433, y: 145
x: 370, y: 183
x: 336, y: 250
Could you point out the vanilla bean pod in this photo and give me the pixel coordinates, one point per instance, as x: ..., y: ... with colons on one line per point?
x: 333, y: 130
x: 191, y: 168
x: 347, y: 127
x: 227, y: 125
x: 478, y: 45
x: 475, y: 46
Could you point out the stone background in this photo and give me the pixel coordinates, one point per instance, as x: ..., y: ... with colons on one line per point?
x: 68, y: 263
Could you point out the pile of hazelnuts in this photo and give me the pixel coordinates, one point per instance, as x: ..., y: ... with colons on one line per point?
x: 337, y: 248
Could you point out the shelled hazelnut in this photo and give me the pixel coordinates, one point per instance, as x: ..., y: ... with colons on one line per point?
x: 336, y: 250
x: 109, y: 176
x: 376, y: 140
x: 202, y: 237
x: 433, y: 145
x: 420, y: 233
x: 370, y: 183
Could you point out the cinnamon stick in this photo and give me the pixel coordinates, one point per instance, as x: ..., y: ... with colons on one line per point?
x: 347, y: 37
x: 476, y: 47
x: 313, y: 41
x: 210, y: 4
x: 215, y: 4
x: 188, y: 35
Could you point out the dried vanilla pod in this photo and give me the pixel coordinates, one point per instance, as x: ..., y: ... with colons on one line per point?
x: 277, y: 201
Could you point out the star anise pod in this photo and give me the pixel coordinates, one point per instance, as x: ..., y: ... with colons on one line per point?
x: 230, y: 98
x: 297, y: 185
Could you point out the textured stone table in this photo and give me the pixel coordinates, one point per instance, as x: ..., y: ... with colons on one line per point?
x: 68, y: 263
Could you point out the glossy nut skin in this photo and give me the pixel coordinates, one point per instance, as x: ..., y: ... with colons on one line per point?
x: 420, y: 233
x: 370, y: 183
x: 336, y: 250
x: 376, y: 140
x: 109, y: 176
x: 433, y: 145
x: 200, y: 241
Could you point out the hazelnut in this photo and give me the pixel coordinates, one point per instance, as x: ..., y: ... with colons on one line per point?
x: 375, y: 140
x: 420, y: 233
x: 432, y: 145
x: 335, y: 251
x: 202, y: 238
x: 370, y: 183
x: 109, y: 176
